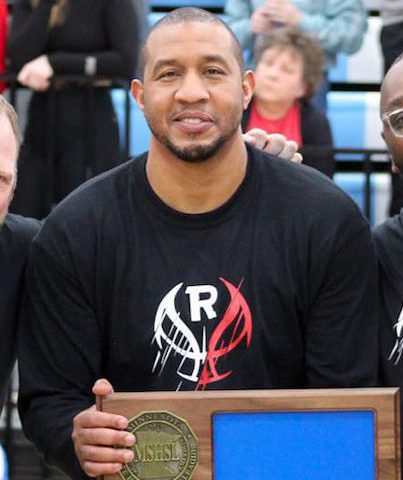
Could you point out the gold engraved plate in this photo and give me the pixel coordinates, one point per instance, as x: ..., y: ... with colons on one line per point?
x: 166, y: 448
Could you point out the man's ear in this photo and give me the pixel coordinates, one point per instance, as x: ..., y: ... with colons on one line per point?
x: 393, y: 165
x: 248, y: 87
x: 137, y: 93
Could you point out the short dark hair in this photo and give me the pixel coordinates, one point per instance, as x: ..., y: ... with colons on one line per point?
x: 313, y: 59
x: 190, y: 14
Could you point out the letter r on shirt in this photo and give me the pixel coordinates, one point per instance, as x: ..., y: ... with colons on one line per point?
x: 202, y: 297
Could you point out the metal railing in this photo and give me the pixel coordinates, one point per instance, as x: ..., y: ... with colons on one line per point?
x: 366, y: 161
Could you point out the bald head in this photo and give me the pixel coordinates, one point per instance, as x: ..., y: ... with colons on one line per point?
x: 392, y: 87
x: 392, y: 105
x: 190, y: 15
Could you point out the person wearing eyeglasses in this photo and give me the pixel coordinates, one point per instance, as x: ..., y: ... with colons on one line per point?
x: 389, y: 237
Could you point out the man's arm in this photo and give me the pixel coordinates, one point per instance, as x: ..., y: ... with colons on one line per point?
x: 60, y: 349
x: 341, y: 323
x: 29, y: 31
x: 8, y: 328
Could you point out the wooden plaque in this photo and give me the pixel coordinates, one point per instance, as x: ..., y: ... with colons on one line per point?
x: 201, y: 410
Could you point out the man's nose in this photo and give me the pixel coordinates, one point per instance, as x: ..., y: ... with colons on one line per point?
x: 192, y: 88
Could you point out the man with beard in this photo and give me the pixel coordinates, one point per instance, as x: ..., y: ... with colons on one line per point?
x: 15, y: 235
x: 202, y: 264
x: 389, y: 236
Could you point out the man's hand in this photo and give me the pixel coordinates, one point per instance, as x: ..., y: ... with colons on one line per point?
x: 274, y: 143
x: 95, y: 434
x: 282, y: 12
x: 36, y: 74
x: 260, y: 21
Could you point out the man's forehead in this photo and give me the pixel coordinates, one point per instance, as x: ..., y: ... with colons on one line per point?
x: 188, y: 32
x: 392, y: 88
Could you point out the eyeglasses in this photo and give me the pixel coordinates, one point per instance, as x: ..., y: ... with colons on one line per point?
x: 395, y: 121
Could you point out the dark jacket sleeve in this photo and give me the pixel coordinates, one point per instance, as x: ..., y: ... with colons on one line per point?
x: 344, y: 303
x: 58, y: 359
x: 120, y: 58
x: 17, y: 235
x: 317, y: 143
x: 29, y: 32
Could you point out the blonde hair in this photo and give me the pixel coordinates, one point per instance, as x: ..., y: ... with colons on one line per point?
x: 8, y: 110
x: 57, y: 13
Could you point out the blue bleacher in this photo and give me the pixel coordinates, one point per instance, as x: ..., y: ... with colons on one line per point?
x: 3, y: 465
x: 140, y: 133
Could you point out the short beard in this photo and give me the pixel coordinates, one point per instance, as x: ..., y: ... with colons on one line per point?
x: 196, y: 153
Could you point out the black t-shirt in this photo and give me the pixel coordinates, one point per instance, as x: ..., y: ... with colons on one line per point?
x: 274, y: 289
x: 389, y: 243
x: 15, y: 237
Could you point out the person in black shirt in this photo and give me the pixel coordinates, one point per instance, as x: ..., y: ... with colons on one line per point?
x: 202, y: 264
x: 15, y: 235
x: 72, y: 130
x: 389, y: 237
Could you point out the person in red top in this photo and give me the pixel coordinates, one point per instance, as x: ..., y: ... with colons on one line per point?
x: 3, y: 38
x: 289, y: 65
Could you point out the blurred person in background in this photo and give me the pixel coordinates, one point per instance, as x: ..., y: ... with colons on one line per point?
x: 71, y: 130
x: 339, y: 25
x: 392, y: 46
x: 288, y: 71
x: 15, y: 235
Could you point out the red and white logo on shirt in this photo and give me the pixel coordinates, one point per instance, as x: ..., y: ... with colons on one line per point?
x: 398, y: 347
x: 199, y: 361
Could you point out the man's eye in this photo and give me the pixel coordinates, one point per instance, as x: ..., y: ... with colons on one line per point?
x: 214, y: 71
x: 397, y: 120
x: 4, y: 182
x: 168, y: 74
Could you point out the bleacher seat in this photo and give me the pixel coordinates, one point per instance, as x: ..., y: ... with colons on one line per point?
x: 365, y: 66
x: 140, y: 133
